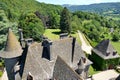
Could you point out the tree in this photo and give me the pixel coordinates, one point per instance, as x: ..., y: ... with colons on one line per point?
x: 115, y: 37
x: 54, y: 20
x: 94, y: 36
x: 65, y: 21
x: 76, y: 23
x: 4, y: 25
x: 32, y: 26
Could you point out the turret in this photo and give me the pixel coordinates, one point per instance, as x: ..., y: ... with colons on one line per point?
x: 11, y: 54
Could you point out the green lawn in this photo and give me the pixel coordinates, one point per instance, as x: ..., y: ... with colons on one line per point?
x: 53, y: 34
x: 116, y: 45
x: 1, y: 65
x: 92, y: 71
x: 1, y: 73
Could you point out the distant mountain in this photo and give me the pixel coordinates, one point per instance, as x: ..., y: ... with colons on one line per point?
x: 107, y: 9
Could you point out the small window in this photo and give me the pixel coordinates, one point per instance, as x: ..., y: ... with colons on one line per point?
x: 84, y: 60
x: 108, y: 53
x: 29, y: 77
x: 114, y: 53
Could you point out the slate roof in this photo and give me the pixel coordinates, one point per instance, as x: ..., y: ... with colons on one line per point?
x: 42, y: 68
x: 62, y: 71
x: 12, y: 48
x: 105, y: 50
x: 77, y: 56
x: 39, y: 67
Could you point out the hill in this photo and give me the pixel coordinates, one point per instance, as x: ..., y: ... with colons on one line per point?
x: 29, y: 15
x: 33, y: 17
x: 18, y: 7
x: 106, y: 9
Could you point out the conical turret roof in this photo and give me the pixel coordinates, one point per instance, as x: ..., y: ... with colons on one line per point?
x: 12, y: 48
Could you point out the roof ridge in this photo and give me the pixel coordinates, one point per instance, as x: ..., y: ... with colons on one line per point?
x: 60, y: 59
x: 108, y: 45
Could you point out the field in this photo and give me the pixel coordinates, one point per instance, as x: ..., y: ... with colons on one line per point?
x: 116, y: 45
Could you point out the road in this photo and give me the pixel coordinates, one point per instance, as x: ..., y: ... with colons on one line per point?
x: 86, y: 47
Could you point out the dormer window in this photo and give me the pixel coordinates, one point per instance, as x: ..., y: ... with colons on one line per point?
x: 29, y: 77
x: 29, y: 41
x: 114, y: 53
x: 108, y: 53
x: 84, y: 60
x: 63, y: 35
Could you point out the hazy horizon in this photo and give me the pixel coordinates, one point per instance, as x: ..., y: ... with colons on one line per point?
x: 76, y: 2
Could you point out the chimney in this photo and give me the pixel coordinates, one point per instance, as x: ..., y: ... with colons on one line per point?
x: 21, y: 34
x: 46, y: 49
x: 29, y: 41
x: 63, y: 35
x: 73, y: 48
x: 21, y: 39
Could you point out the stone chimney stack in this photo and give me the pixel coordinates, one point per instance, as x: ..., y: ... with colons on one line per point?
x: 21, y: 39
x: 73, y: 48
x: 21, y: 34
x: 29, y: 41
x: 46, y: 49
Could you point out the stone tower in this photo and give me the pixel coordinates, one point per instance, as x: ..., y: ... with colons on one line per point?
x: 11, y: 55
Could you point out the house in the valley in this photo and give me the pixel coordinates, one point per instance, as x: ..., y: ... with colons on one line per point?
x: 104, y: 56
x: 58, y: 60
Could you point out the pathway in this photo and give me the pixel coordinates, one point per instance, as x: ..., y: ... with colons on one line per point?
x: 85, y: 44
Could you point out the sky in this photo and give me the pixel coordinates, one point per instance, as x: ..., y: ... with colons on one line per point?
x: 76, y: 2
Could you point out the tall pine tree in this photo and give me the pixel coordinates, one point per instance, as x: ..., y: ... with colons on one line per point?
x: 65, y: 21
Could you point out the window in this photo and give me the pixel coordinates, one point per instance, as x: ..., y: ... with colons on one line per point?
x: 114, y: 53
x: 29, y: 77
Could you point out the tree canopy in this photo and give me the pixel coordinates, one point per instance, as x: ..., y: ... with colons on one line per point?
x: 65, y: 21
x: 32, y: 26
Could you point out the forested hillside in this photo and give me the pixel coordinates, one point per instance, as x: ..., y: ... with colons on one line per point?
x: 106, y: 9
x: 34, y: 17
x: 18, y: 7
x: 29, y: 15
x: 96, y: 27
